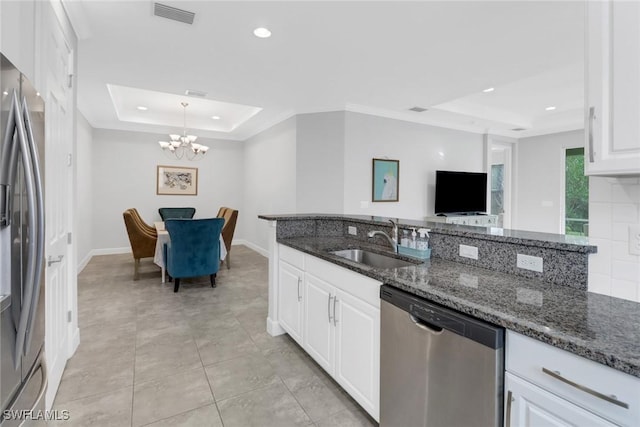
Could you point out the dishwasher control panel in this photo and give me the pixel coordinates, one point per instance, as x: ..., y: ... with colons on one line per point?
x: 439, y: 317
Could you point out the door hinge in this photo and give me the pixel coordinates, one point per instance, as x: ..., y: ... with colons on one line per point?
x: 69, y: 159
x: 69, y: 238
x: 69, y: 316
x: 70, y: 83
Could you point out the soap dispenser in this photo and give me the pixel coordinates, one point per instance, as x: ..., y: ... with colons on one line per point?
x: 422, y: 243
x: 413, y: 241
x: 405, y: 238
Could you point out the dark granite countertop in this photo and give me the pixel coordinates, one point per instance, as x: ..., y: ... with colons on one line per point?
x: 597, y: 327
x: 533, y: 238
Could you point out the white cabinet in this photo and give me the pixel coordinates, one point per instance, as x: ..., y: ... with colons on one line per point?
x: 334, y: 314
x: 319, y: 335
x: 530, y: 406
x: 357, y: 355
x: 290, y: 300
x: 342, y: 334
x: 612, y: 93
x: 547, y: 386
x: 18, y: 35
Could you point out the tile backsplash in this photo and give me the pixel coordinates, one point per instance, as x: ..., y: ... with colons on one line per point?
x: 614, y: 206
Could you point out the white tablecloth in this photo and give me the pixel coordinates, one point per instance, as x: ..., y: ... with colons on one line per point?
x: 163, y: 237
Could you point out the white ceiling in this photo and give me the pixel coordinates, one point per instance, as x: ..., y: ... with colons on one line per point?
x: 378, y: 57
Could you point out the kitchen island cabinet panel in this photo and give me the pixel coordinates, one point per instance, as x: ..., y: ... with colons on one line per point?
x: 291, y: 300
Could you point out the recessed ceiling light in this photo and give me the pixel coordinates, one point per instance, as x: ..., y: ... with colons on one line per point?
x: 262, y: 32
x: 142, y: 108
x: 5, y: 92
x: 215, y: 117
x: 551, y: 108
x: 489, y: 89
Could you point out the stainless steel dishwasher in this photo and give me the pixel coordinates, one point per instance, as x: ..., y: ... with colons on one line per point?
x: 438, y: 368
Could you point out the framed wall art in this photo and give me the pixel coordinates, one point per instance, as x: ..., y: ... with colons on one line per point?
x: 174, y: 180
x: 386, y: 180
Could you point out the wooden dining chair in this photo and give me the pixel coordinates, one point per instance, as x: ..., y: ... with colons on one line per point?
x: 230, y: 218
x: 142, y: 238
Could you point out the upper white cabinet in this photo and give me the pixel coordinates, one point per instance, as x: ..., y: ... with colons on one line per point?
x: 612, y: 93
x: 18, y: 35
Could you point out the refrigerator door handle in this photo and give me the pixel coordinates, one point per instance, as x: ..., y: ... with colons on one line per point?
x: 38, y: 224
x: 31, y: 246
x: 5, y: 204
x: 8, y: 166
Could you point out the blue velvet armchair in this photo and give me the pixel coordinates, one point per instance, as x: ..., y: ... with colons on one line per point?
x: 193, y: 249
x: 173, y: 213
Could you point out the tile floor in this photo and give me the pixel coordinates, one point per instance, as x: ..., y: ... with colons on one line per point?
x: 201, y: 357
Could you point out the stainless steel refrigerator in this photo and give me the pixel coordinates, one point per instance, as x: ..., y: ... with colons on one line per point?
x: 23, y: 376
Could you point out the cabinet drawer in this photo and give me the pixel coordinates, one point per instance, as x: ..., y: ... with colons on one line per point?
x: 292, y: 256
x: 575, y: 378
x: 365, y: 288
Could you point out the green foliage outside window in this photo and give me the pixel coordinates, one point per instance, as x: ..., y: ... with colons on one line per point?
x: 576, y: 193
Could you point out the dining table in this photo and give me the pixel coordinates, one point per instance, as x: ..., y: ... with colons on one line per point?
x: 163, y: 237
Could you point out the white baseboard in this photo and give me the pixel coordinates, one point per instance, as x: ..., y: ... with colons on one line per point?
x: 260, y: 250
x: 111, y: 251
x: 82, y: 264
x: 273, y: 328
x: 94, y: 252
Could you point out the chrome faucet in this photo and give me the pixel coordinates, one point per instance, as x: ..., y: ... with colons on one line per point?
x: 393, y: 241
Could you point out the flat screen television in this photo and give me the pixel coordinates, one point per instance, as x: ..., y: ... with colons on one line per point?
x: 461, y: 192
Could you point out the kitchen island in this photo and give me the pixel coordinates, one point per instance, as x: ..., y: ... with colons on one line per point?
x: 555, y: 309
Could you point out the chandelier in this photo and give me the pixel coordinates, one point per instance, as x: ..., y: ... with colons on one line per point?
x: 184, y: 145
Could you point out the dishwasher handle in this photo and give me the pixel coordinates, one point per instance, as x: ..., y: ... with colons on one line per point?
x: 426, y: 326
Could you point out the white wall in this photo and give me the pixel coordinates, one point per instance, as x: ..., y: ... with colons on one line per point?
x: 320, y: 156
x: 270, y: 179
x: 84, y: 190
x: 614, y: 205
x: 540, y: 180
x: 421, y: 149
x: 124, y: 176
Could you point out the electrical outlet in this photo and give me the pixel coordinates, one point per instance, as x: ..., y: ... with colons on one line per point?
x: 528, y: 262
x: 468, y: 251
x: 634, y: 239
x: 353, y: 231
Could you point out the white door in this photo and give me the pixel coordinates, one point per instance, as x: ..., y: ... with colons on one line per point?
x: 290, y: 300
x: 530, y: 406
x: 318, y: 316
x: 358, y: 350
x: 58, y: 198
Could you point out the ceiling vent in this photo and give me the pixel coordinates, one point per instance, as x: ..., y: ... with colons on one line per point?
x: 418, y: 109
x: 173, y: 13
x: 197, y: 93
x: 518, y: 129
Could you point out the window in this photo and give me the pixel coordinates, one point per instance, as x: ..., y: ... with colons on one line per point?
x: 576, y: 193
x: 497, y: 189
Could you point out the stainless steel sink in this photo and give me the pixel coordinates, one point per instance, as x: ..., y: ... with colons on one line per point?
x: 372, y: 259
